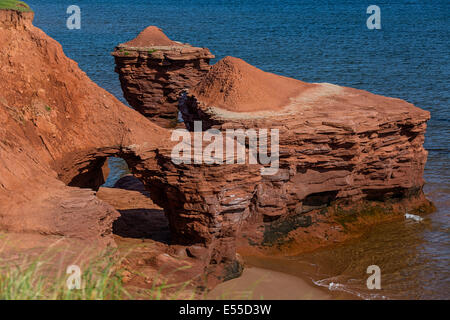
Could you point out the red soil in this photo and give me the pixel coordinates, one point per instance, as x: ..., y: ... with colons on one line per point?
x: 234, y: 85
x: 151, y: 36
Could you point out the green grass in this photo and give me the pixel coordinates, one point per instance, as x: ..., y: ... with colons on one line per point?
x: 43, y: 277
x: 33, y: 278
x: 29, y: 279
x: 14, y: 5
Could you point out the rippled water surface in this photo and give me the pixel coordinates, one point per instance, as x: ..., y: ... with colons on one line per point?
x: 315, y: 41
x: 413, y: 259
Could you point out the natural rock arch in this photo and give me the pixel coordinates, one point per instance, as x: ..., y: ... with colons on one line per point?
x: 57, y: 130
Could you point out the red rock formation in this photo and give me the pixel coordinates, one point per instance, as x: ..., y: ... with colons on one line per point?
x: 56, y: 129
x: 154, y: 69
x: 337, y: 145
x: 234, y: 85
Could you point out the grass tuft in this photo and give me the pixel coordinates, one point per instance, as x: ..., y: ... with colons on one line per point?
x: 30, y: 277
x: 14, y: 5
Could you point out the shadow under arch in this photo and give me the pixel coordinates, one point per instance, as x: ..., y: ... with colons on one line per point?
x: 107, y: 172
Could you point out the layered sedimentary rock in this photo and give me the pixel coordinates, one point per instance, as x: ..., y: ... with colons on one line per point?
x: 336, y: 145
x: 56, y: 129
x: 153, y: 70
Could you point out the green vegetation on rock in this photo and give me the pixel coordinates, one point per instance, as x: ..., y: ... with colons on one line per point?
x: 14, y: 5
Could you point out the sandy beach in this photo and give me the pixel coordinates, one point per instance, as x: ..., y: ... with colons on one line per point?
x: 263, y: 284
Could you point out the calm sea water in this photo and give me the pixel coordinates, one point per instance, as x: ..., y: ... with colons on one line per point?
x: 315, y: 41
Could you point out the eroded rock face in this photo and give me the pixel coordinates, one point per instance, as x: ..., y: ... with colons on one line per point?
x: 56, y: 129
x: 337, y: 145
x: 153, y: 70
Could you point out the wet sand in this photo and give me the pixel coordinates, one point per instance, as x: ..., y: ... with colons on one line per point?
x: 263, y: 284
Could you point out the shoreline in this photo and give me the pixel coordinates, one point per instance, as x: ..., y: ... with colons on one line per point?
x: 258, y: 283
x: 263, y: 284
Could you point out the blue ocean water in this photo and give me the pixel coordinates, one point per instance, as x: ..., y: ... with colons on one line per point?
x: 311, y: 40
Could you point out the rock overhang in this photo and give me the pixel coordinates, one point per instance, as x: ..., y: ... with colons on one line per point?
x: 153, y: 70
x: 157, y: 45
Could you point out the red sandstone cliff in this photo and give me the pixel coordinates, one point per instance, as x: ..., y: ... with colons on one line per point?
x: 153, y: 70
x: 56, y: 129
x: 337, y: 146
